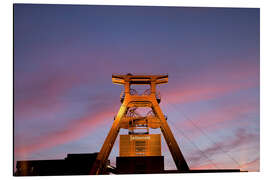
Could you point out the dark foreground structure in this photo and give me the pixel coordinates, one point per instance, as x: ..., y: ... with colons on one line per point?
x: 81, y: 164
x: 140, y: 165
x: 73, y: 164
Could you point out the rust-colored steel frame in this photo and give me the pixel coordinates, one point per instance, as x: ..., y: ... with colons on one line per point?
x: 99, y: 167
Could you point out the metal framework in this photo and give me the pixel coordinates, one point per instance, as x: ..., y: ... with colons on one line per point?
x: 126, y: 118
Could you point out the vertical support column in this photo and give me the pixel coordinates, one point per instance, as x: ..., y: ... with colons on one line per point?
x: 99, y: 165
x: 153, y: 88
x: 177, y: 155
x: 127, y: 88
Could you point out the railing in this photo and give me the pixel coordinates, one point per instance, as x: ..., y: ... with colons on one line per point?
x: 135, y: 92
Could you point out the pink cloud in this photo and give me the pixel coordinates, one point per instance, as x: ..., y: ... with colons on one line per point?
x: 225, y: 148
x: 251, y: 166
x: 207, y: 166
x: 220, y: 117
x: 74, y: 130
x: 43, y: 94
x: 199, y: 92
x: 220, y: 80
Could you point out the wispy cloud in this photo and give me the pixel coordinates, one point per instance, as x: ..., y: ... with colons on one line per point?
x: 43, y: 94
x: 221, y: 116
x: 225, y: 148
x: 72, y: 131
x: 253, y: 165
x: 212, y: 84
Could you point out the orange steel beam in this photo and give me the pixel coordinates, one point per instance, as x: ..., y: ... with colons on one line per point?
x: 177, y: 155
x: 99, y: 167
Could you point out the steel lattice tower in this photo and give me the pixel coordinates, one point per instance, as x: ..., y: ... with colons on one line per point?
x: 130, y: 100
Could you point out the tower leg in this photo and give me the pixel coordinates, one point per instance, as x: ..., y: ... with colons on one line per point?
x: 177, y: 155
x: 99, y: 165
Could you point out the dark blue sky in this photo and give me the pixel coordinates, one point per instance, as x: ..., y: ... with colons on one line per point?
x: 65, y: 101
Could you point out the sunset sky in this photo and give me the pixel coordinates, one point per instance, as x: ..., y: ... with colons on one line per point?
x: 64, y: 99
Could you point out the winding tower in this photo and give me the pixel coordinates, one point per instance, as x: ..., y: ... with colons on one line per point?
x: 128, y: 118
